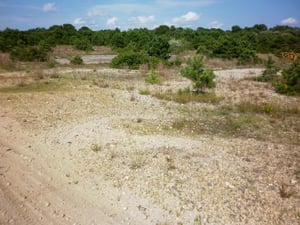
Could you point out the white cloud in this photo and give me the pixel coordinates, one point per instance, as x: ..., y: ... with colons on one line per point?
x: 112, y: 21
x: 78, y: 21
x: 289, y: 21
x: 189, y: 17
x: 49, y: 7
x: 180, y: 3
x: 143, y: 20
x: 215, y: 24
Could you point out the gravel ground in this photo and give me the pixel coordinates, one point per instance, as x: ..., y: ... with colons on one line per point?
x: 102, y: 153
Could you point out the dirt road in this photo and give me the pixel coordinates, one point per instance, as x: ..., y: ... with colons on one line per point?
x: 106, y: 154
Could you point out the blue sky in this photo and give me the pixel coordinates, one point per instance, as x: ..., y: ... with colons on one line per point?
x: 109, y: 14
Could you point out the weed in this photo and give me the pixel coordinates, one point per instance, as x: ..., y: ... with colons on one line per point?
x: 137, y: 160
x: 186, y: 96
x: 51, y: 64
x: 153, y: 78
x: 266, y: 108
x: 285, y: 192
x: 32, y: 87
x: 297, y: 172
x: 96, y: 147
x: 144, y: 92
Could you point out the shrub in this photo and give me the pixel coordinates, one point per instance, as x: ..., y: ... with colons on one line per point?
x: 153, y: 78
x: 131, y: 59
x: 290, y: 81
x: 32, y: 53
x: 77, y: 60
x: 82, y: 44
x: 202, y: 78
x: 269, y: 73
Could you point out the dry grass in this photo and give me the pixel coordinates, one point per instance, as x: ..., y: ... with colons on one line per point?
x: 186, y: 96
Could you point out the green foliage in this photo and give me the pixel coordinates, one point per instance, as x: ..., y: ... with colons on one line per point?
x: 77, y: 60
x: 202, y: 78
x: 82, y: 44
x: 153, y: 78
x: 270, y: 72
x: 186, y: 95
x: 239, y: 43
x: 159, y: 48
x: 132, y: 60
x: 33, y: 53
x: 290, y: 82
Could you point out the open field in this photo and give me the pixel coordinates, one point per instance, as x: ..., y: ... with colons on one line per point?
x: 95, y: 145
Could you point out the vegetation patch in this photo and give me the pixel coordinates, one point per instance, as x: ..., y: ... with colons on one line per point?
x: 32, y: 87
x: 186, y: 96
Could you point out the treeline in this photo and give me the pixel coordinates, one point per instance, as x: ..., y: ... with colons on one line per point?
x: 241, y: 43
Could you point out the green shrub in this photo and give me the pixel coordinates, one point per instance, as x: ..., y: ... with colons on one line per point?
x: 202, y: 78
x: 82, y: 44
x: 153, y: 78
x: 77, y: 60
x: 290, y: 81
x: 130, y: 59
x: 270, y: 73
x: 32, y: 53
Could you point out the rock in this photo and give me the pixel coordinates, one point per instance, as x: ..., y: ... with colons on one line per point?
x: 229, y: 185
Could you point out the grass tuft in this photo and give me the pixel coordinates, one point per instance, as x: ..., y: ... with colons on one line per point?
x: 186, y: 96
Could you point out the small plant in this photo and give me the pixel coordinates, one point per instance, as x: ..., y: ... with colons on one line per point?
x: 186, y: 95
x: 137, y: 160
x: 77, y: 60
x: 51, y: 64
x: 153, y: 78
x: 96, y: 147
x: 201, y: 77
x: 285, y: 192
x: 144, y: 92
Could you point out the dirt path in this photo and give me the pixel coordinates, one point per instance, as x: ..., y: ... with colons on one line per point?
x: 91, y: 155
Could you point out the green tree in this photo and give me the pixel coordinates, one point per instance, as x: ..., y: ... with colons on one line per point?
x: 159, y: 48
x: 201, y: 77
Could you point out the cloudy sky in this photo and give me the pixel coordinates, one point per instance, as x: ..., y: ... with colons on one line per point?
x: 109, y: 14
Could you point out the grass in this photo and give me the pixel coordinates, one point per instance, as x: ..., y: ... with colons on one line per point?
x: 32, y: 87
x: 137, y: 160
x: 266, y: 108
x: 243, y: 120
x: 186, y: 96
x: 144, y: 92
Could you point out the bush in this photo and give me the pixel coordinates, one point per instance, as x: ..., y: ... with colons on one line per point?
x: 29, y: 54
x: 269, y: 73
x: 201, y: 77
x: 290, y: 82
x: 77, y: 60
x: 131, y: 59
x: 153, y: 78
x: 82, y: 44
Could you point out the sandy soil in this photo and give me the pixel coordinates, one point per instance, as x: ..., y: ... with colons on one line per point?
x: 105, y: 154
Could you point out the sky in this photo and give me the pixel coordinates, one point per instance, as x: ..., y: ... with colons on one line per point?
x: 130, y: 14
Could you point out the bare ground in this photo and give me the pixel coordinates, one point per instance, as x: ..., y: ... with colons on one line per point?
x: 98, y: 152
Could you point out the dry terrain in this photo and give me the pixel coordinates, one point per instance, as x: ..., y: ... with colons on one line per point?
x: 97, y: 146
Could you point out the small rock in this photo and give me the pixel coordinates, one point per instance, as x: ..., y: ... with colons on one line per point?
x: 229, y: 185
x: 293, y: 181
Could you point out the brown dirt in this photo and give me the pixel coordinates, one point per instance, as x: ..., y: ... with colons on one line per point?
x: 98, y: 152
